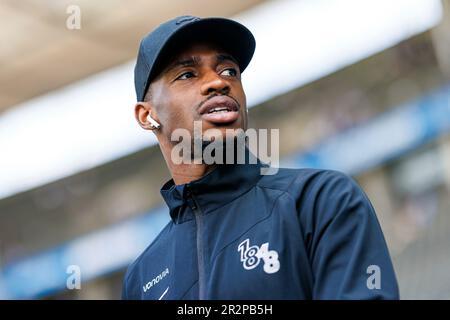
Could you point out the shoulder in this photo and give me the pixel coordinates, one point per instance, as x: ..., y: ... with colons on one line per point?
x: 307, y: 180
x: 319, y: 193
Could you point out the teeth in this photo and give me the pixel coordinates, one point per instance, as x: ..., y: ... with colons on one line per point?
x: 219, y: 110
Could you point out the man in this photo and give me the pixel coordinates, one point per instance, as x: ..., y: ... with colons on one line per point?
x: 234, y: 232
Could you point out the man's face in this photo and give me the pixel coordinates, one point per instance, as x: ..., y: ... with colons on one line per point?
x: 202, y: 83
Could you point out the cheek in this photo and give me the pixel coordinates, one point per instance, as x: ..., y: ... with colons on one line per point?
x: 179, y: 113
x: 238, y: 92
x: 242, y: 99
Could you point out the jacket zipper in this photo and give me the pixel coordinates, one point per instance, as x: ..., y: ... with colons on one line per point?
x: 200, y: 254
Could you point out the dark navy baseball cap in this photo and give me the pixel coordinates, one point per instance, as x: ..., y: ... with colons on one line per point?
x: 161, y: 44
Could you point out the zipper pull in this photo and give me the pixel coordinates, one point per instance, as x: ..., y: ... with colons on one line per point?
x: 190, y: 198
x: 188, y: 192
x: 194, y: 203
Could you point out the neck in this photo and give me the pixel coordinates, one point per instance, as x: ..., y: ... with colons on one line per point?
x: 183, y: 173
x: 186, y: 173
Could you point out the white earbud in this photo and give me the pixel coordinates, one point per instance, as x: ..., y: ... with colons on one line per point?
x: 153, y: 122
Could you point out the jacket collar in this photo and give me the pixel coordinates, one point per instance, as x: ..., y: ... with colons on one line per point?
x: 223, y: 184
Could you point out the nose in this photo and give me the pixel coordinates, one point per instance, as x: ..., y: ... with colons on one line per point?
x: 214, y: 83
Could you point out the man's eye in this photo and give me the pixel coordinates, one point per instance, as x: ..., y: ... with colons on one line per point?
x: 229, y: 72
x: 185, y: 75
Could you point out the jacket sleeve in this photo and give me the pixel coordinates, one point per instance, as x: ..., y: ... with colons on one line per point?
x: 348, y: 254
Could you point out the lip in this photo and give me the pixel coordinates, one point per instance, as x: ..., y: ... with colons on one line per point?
x: 220, y: 117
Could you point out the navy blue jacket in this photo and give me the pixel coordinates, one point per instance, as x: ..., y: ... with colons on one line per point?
x: 237, y: 234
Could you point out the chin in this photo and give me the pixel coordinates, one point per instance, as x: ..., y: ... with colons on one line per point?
x: 223, y: 128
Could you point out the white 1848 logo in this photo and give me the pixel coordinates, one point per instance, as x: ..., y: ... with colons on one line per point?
x: 252, y: 255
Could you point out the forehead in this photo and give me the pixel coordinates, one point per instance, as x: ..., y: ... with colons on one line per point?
x: 198, y: 48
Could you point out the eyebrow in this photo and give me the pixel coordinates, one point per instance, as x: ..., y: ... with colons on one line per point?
x: 195, y: 60
x: 187, y: 62
x: 221, y: 57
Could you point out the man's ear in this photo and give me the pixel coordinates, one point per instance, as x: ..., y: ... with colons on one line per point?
x: 141, y: 111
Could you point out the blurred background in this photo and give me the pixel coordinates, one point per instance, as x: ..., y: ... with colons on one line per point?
x: 357, y: 86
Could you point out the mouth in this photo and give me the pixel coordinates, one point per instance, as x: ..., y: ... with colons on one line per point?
x: 220, y: 110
